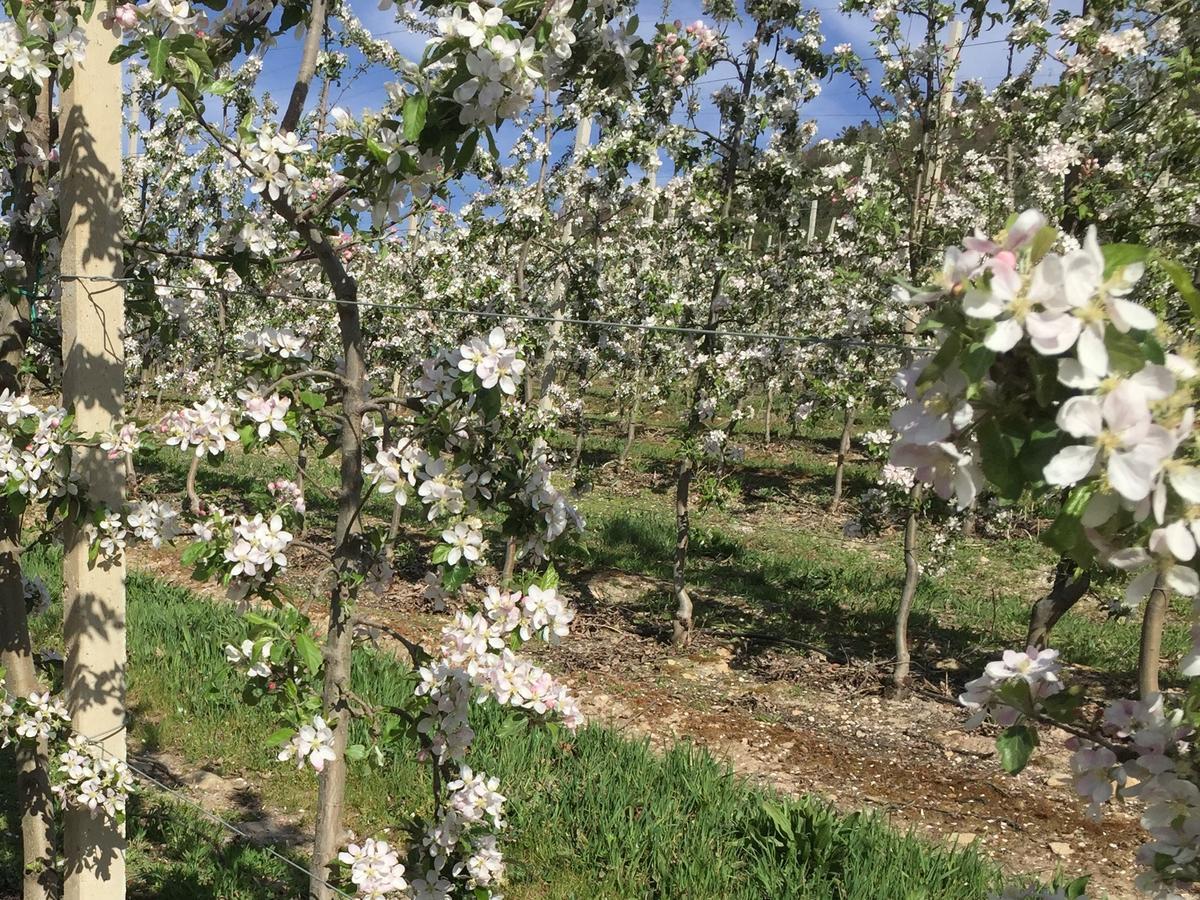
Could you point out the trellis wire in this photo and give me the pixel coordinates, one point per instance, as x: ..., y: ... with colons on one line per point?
x: 188, y: 801
x: 524, y: 317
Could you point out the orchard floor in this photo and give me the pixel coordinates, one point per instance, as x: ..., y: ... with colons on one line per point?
x: 786, y: 678
x: 805, y: 725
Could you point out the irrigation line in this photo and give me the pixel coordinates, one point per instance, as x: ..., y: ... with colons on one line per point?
x: 524, y: 317
x: 188, y: 801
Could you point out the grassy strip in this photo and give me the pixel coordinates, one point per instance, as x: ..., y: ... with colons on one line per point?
x: 597, y: 815
x: 816, y: 587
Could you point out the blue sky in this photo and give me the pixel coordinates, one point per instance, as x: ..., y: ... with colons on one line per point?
x: 838, y: 106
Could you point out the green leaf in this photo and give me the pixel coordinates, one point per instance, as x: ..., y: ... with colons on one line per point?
x: 1078, y: 887
x: 440, y: 552
x: 489, y: 403
x: 976, y: 362
x: 221, y: 87
x: 1125, y: 354
x: 309, y: 652
x: 1117, y: 256
x: 313, y: 400
x: 280, y: 736
x: 467, y: 152
x: 454, y: 577
x: 778, y: 815
x: 415, y: 109
x: 194, y: 552
x: 1015, y: 745
x: 157, y: 53
x: 260, y: 620
x: 1183, y: 283
x: 1063, y: 705
x: 1043, y: 241
x: 1016, y: 693
x: 1066, y: 534
x: 356, y: 752
x: 998, y: 459
x: 941, y: 361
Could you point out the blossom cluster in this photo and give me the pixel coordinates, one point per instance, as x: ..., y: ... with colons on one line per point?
x: 1113, y: 389
x: 1144, y: 751
x: 1128, y: 421
x: 1036, y: 670
x: 86, y: 777
x: 83, y: 775
x: 374, y: 869
x: 676, y: 47
x: 312, y: 744
x: 277, y: 342
x: 207, y: 426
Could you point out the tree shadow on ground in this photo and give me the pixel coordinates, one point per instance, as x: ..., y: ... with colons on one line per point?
x: 841, y: 605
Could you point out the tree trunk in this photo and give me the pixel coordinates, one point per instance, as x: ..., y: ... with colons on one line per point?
x: 683, y: 600
x: 767, y: 418
x: 1150, y: 652
x: 1063, y: 595
x: 912, y: 576
x: 631, y: 425
x: 581, y: 431
x: 683, y: 481
x: 34, y: 799
x: 510, y: 561
x: 348, y: 560
x: 839, y: 470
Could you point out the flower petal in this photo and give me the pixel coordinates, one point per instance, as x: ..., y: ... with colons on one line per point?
x: 1081, y: 417
x: 1004, y: 336
x: 981, y: 304
x: 1071, y: 464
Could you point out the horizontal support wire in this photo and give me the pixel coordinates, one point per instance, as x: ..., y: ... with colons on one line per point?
x: 189, y: 802
x: 841, y: 341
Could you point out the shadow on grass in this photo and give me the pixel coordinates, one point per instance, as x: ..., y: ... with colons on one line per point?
x: 835, y: 600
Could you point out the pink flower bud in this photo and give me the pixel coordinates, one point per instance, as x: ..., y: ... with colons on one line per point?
x: 126, y: 16
x: 1007, y: 259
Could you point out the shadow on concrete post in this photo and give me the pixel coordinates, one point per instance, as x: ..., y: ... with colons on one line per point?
x: 93, y: 385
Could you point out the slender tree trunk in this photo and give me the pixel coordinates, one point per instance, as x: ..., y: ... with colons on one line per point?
x: 1150, y: 652
x: 912, y: 576
x: 510, y: 560
x: 581, y: 431
x: 1064, y: 593
x: 33, y: 795
x: 348, y: 560
x: 767, y: 418
x: 683, y: 600
x: 839, y: 470
x: 970, y: 518
x: 631, y: 427
x: 39, y: 879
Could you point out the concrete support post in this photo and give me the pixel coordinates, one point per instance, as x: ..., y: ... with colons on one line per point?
x: 93, y: 319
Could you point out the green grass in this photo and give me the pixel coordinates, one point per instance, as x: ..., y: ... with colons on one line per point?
x: 811, y: 585
x: 593, y: 815
x: 794, y: 578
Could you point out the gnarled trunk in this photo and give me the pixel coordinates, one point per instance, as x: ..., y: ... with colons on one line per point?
x: 1064, y: 593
